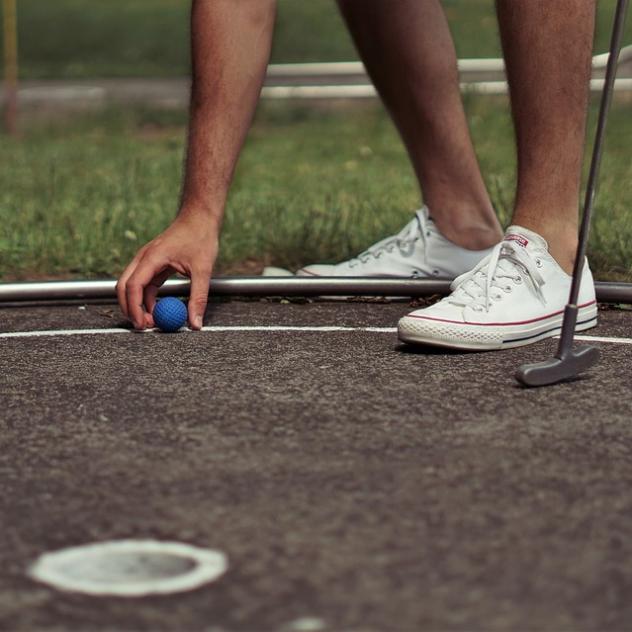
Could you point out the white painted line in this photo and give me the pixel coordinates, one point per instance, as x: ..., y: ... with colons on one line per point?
x: 254, y: 328
x: 63, y: 332
x: 323, y: 328
x: 619, y: 341
x: 215, y: 329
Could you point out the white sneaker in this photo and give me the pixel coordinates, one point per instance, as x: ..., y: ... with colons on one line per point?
x: 514, y: 297
x: 419, y: 250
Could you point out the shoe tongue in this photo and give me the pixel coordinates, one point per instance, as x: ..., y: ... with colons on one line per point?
x: 526, y: 238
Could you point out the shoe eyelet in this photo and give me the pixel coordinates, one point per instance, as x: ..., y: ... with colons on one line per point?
x: 427, y: 233
x: 538, y: 263
x: 477, y: 308
x: 508, y: 289
x: 517, y: 280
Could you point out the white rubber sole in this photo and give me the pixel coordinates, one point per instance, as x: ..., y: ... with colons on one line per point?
x: 421, y: 330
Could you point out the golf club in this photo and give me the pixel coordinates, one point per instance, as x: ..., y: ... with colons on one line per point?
x: 568, y: 363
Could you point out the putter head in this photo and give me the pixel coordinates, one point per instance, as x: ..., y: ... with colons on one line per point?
x: 558, y: 369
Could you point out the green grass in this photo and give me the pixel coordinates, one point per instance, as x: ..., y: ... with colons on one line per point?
x: 133, y: 38
x: 79, y: 197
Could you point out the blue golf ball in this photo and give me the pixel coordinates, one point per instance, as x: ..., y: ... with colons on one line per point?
x: 170, y: 314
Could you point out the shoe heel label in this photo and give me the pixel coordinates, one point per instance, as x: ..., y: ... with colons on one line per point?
x: 519, y: 239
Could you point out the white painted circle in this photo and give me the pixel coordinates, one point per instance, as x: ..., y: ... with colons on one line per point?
x: 130, y: 568
x: 307, y: 624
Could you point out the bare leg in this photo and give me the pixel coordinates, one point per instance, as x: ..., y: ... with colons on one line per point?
x: 410, y: 56
x: 548, y: 51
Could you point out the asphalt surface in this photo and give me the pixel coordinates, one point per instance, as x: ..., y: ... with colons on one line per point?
x: 350, y: 481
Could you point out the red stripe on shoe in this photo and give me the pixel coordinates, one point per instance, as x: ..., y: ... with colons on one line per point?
x: 521, y: 322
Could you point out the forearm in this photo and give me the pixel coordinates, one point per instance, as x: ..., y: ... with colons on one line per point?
x: 230, y: 47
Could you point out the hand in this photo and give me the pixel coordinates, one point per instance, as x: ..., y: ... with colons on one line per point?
x: 189, y: 246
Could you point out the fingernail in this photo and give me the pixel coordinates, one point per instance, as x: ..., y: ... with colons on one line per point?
x: 198, y: 322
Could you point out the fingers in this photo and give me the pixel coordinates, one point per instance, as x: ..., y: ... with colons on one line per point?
x: 189, y: 250
x: 121, y: 285
x: 151, y: 291
x: 200, y: 283
x: 147, y: 269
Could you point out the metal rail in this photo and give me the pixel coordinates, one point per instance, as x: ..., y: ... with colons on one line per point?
x: 267, y: 286
x: 347, y: 69
x: 362, y: 91
x: 349, y: 80
x: 337, y: 80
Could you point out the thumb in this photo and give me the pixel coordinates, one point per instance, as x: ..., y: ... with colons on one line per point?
x: 200, y: 283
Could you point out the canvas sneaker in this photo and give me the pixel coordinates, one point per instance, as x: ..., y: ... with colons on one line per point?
x: 514, y: 297
x: 419, y: 250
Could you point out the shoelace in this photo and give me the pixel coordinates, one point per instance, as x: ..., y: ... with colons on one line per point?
x: 506, y: 261
x: 405, y: 241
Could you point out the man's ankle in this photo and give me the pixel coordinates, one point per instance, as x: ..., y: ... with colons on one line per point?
x: 471, y: 235
x: 470, y: 223
x: 563, y: 248
x: 561, y: 238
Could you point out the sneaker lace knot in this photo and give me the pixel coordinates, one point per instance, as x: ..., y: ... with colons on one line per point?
x: 404, y: 241
x: 507, y: 265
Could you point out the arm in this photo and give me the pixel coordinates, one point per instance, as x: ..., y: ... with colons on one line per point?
x: 230, y: 46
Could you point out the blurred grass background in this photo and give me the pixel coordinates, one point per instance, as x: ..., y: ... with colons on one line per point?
x: 137, y: 38
x: 80, y: 194
x: 79, y: 197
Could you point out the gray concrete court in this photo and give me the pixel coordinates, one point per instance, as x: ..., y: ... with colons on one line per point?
x: 348, y: 479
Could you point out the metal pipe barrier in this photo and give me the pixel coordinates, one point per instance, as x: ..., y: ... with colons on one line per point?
x: 607, y: 292
x: 336, y: 80
x: 368, y: 91
x: 349, y: 80
x: 346, y: 69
